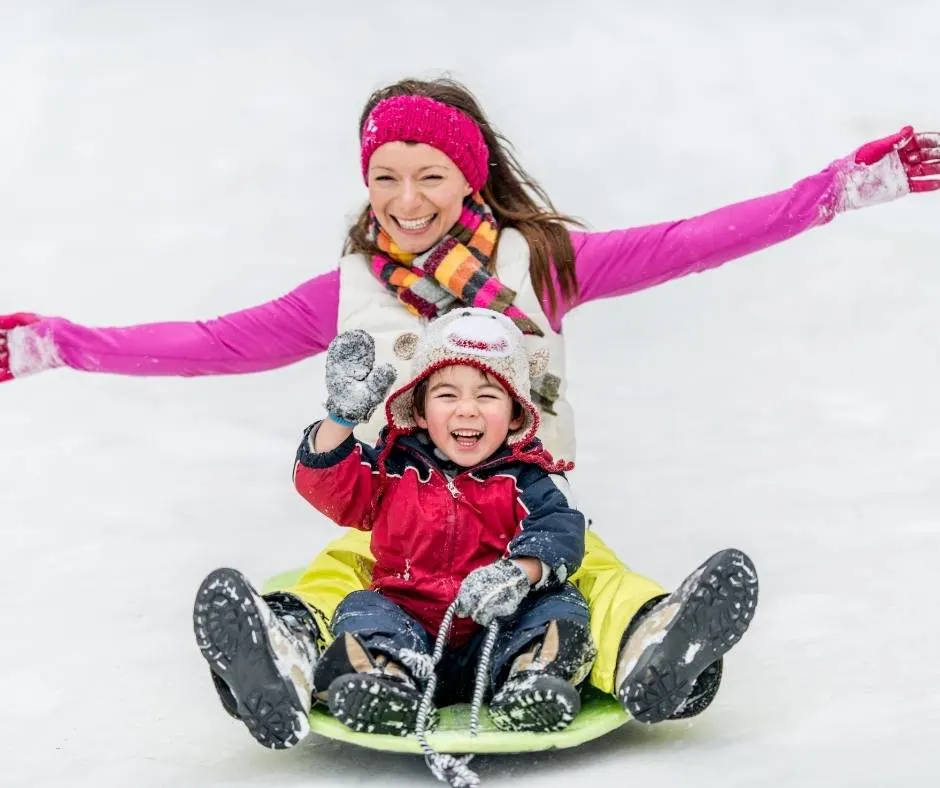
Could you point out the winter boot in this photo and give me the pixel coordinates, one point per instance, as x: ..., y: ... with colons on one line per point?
x: 670, y: 665
x: 369, y: 692
x: 540, y: 694
x: 261, y: 654
x: 703, y: 692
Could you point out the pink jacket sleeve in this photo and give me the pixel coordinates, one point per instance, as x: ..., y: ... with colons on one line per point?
x: 280, y: 332
x: 618, y: 262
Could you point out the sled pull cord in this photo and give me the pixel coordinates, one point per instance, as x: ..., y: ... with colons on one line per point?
x: 447, y: 768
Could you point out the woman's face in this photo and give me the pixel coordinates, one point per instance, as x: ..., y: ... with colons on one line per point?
x: 416, y: 193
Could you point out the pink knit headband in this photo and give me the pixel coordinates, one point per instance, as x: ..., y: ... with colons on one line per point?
x: 422, y: 119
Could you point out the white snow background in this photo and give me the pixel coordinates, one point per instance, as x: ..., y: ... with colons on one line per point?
x: 179, y: 160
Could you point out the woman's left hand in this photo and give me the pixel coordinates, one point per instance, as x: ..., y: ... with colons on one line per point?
x: 889, y: 168
x: 918, y: 153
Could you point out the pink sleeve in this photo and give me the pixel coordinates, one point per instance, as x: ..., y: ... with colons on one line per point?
x: 623, y: 261
x: 280, y: 332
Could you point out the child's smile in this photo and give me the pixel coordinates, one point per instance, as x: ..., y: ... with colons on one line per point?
x: 467, y: 414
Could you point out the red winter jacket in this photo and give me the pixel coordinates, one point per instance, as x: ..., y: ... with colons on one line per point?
x: 429, y: 531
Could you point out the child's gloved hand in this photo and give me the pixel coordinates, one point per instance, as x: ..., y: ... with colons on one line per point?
x: 7, y: 324
x: 356, y: 387
x: 492, y: 591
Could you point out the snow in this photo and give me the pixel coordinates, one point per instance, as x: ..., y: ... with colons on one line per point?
x: 178, y: 160
x: 30, y: 353
x: 883, y: 181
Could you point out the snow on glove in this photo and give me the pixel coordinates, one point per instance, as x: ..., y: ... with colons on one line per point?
x: 492, y: 591
x: 892, y: 167
x: 7, y: 324
x: 356, y: 387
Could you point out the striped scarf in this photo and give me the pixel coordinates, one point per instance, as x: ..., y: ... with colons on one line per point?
x: 452, y: 272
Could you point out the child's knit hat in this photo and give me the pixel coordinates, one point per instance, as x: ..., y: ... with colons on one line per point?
x: 480, y: 338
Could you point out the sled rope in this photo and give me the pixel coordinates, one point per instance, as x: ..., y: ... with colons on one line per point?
x: 447, y: 768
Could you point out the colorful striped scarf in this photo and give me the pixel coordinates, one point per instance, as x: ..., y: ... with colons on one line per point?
x: 452, y: 272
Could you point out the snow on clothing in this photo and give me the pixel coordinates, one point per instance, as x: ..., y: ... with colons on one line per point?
x: 430, y: 529
x: 303, y: 323
x: 385, y: 627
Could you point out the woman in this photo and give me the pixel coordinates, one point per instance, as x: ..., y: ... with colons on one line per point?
x: 453, y: 219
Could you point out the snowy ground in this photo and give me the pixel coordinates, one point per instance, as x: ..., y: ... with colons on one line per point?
x: 175, y: 160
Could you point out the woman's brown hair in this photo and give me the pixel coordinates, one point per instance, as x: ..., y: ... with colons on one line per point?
x: 516, y: 199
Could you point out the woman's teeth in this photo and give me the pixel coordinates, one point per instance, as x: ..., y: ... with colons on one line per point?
x: 415, y: 225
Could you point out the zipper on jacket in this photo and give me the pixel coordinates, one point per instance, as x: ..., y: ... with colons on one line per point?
x: 452, y: 521
x: 458, y: 496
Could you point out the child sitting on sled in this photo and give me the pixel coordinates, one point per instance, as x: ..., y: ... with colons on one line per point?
x: 464, y: 504
x: 465, y: 507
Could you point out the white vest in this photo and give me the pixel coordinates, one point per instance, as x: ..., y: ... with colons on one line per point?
x: 365, y: 303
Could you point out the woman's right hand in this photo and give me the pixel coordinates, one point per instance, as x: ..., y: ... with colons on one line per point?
x: 7, y: 324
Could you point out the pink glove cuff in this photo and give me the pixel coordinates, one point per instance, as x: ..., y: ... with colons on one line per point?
x: 864, y: 185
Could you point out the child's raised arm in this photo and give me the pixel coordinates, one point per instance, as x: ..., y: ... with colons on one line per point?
x: 333, y: 471
x: 356, y: 387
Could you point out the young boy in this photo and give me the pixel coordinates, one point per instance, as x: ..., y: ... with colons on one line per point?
x: 462, y: 503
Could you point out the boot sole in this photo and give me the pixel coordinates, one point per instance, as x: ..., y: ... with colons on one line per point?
x: 234, y: 641
x: 550, y: 704
x: 370, y: 704
x: 717, y: 606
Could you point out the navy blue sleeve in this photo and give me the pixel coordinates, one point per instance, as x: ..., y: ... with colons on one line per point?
x: 309, y: 457
x: 553, y: 530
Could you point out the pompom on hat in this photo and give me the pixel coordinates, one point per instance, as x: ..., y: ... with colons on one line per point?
x: 423, y: 119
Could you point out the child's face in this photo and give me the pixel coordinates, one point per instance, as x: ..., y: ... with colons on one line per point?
x: 467, y: 414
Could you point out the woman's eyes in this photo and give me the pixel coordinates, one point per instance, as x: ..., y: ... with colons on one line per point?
x: 425, y: 178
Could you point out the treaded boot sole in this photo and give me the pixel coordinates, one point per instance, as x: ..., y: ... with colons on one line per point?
x: 540, y: 704
x: 716, y: 604
x: 372, y: 704
x: 234, y: 641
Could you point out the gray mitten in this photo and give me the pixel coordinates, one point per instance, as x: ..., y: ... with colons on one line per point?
x: 492, y: 591
x: 356, y: 387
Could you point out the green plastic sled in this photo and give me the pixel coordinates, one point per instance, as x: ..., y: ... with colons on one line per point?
x: 600, y: 714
